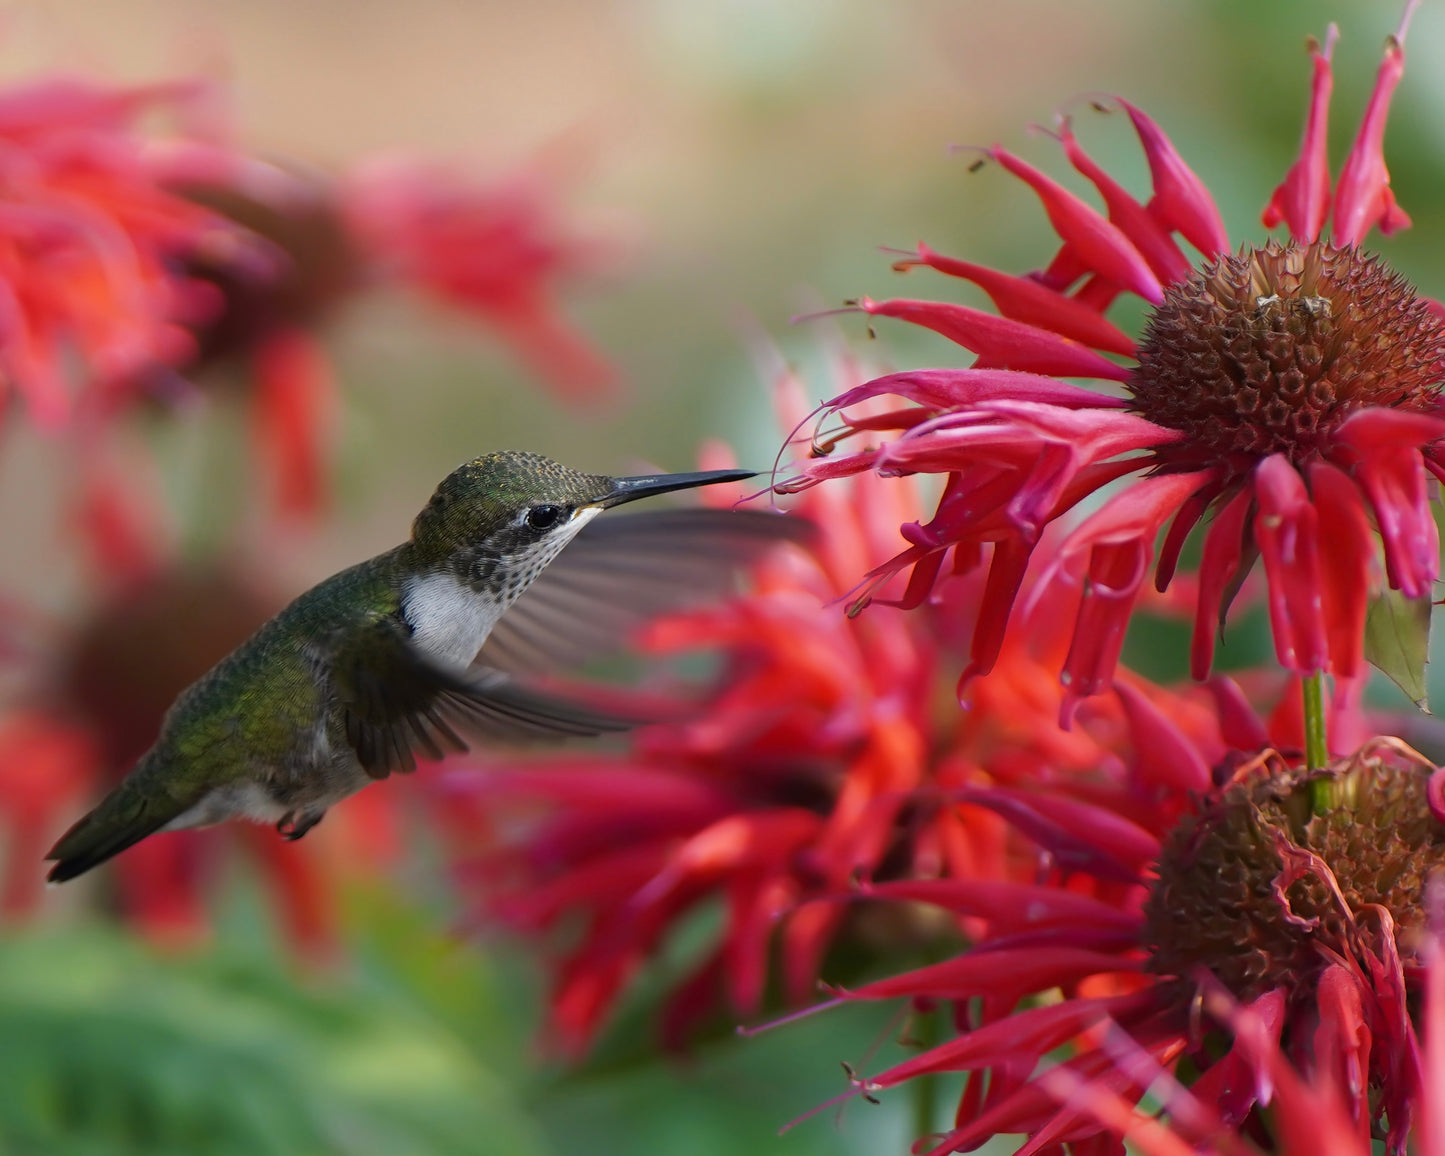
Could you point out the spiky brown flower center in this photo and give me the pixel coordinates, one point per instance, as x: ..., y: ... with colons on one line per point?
x: 1268, y: 351
x: 1257, y: 887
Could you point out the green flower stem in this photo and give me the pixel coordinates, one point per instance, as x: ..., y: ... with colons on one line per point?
x: 1317, y: 751
x: 925, y: 1032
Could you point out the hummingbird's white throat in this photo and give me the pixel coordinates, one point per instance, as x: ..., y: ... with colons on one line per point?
x: 451, y: 619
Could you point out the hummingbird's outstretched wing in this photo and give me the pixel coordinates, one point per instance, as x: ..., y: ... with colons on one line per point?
x: 623, y: 569
x: 397, y: 704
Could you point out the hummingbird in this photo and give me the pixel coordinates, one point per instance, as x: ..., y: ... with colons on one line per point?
x: 509, y: 573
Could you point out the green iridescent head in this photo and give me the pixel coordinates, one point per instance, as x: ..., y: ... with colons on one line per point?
x: 502, y: 499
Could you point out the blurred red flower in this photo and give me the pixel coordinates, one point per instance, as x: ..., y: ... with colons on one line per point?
x: 494, y: 253
x: 95, y: 302
x: 132, y: 265
x: 1291, y: 391
x: 79, y: 717
x: 828, y: 753
x: 1192, y: 868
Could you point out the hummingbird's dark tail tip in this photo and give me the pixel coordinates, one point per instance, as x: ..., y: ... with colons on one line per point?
x: 93, y: 840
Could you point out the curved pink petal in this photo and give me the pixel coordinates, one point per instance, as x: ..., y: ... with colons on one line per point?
x: 1347, y: 552
x: 946, y: 389
x: 1027, y: 1035
x: 1167, y: 759
x: 1078, y: 834
x: 1239, y: 724
x: 1031, y: 302
x: 999, y: 341
x: 1011, y: 972
x: 1221, y: 569
x: 1234, y: 1083
x: 1286, y: 526
x: 1116, y: 545
x: 1009, y: 906
x: 1302, y: 200
x: 1180, y: 198
x: 1381, y: 447
x: 1045, y: 445
x: 1150, y: 237
x: 1432, y: 1029
x: 1363, y: 198
x: 1006, y: 571
x: 1102, y: 245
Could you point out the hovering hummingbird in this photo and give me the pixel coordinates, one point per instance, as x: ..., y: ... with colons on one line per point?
x: 425, y: 647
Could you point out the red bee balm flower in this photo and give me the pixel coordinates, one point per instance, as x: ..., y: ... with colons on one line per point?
x: 1282, y: 389
x: 1313, y: 1112
x: 94, y: 296
x: 1189, y: 875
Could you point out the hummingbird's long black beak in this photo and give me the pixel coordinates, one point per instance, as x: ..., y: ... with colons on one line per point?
x: 630, y: 489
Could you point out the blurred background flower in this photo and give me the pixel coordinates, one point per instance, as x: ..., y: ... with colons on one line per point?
x: 638, y: 170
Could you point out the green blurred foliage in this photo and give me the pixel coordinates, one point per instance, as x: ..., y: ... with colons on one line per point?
x: 107, y: 1050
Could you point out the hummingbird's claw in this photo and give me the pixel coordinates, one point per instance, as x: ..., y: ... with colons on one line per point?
x: 294, y: 824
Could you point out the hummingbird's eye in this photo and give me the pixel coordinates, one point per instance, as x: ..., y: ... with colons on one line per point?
x: 543, y: 517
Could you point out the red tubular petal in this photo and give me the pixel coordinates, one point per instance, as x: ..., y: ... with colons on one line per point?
x: 1363, y: 198
x: 1001, y: 342
x: 804, y: 943
x: 1010, y: 973
x: 1147, y: 234
x: 1431, y: 1136
x: 1116, y: 573
x: 1184, y: 521
x: 1118, y: 543
x: 1286, y: 526
x: 945, y: 389
x: 295, y: 403
x: 1102, y: 246
x: 1027, y: 300
x: 1098, y: 293
x: 1180, y: 197
x: 1239, y: 723
x: 1218, y: 569
x: 1026, y: 1035
x: 1062, y: 271
x: 1302, y: 201
x: 1382, y: 447
x: 1009, y: 907
x: 1341, y: 1043
x: 1233, y: 1085
x: 756, y: 906
x: 1346, y: 553
x: 1165, y: 756
x: 1005, y: 577
x: 1079, y: 835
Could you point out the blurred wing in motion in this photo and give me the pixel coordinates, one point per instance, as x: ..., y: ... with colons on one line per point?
x: 624, y: 569
x: 397, y: 704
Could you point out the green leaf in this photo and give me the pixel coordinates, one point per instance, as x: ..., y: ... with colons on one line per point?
x: 1397, y: 639
x: 112, y: 1051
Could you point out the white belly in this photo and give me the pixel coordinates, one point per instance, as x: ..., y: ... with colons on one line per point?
x: 449, y: 620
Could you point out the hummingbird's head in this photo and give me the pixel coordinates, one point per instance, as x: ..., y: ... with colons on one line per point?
x: 514, y: 505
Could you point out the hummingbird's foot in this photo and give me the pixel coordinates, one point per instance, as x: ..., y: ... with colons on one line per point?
x: 294, y: 824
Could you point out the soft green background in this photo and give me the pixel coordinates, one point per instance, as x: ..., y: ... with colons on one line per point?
x: 746, y: 158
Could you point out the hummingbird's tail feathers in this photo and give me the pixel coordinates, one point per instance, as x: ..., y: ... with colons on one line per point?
x: 121, y: 820
x: 623, y: 569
